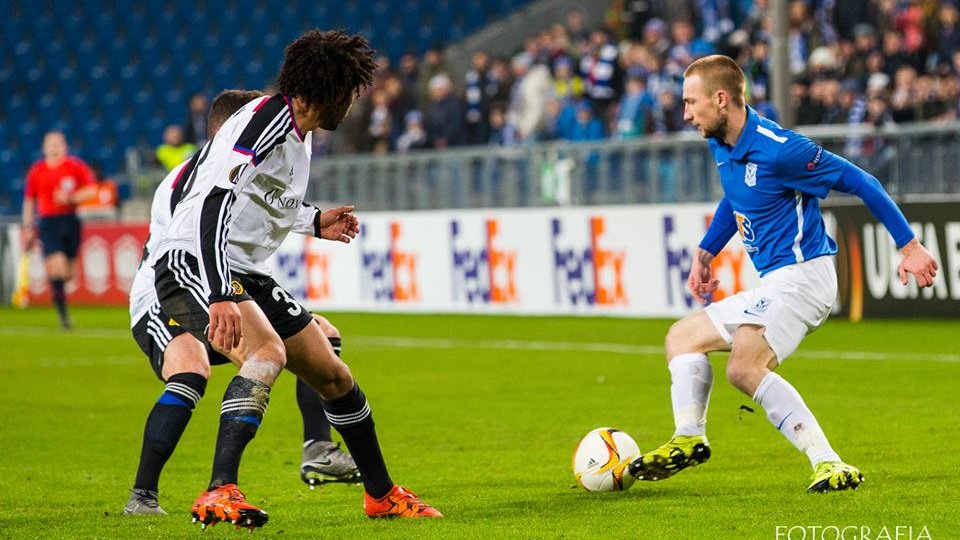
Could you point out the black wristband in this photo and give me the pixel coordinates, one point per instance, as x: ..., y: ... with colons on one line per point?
x: 316, y: 223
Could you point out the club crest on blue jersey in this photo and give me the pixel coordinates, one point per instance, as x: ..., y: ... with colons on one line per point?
x: 750, y: 175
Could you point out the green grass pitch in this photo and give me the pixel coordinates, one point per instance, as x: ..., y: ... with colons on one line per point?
x: 480, y: 415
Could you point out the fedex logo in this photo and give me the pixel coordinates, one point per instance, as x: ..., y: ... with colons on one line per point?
x: 728, y: 266
x: 289, y: 271
x: 482, y: 272
x: 318, y: 271
x: 585, y: 272
x: 678, y: 260
x: 389, y: 273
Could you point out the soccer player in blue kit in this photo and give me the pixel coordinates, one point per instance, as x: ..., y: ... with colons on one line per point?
x: 772, y: 179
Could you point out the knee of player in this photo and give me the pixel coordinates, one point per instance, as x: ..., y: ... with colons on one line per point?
x: 342, y: 377
x: 326, y: 326
x: 675, y: 341
x: 200, y: 368
x: 742, y: 373
x: 271, y: 350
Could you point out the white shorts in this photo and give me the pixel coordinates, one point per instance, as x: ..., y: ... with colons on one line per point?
x: 790, y: 302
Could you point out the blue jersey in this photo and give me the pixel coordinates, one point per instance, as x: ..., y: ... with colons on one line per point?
x: 772, y: 182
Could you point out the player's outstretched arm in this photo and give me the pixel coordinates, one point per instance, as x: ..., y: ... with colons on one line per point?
x: 919, y: 262
x: 338, y: 224
x: 701, y: 281
x: 916, y: 259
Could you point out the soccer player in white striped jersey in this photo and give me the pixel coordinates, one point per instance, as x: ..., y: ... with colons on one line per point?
x: 772, y: 181
x: 179, y: 360
x: 239, y: 203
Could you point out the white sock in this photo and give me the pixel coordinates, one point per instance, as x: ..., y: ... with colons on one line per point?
x: 791, y: 416
x: 690, y: 392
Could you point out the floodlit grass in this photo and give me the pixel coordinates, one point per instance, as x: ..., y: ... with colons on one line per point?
x: 480, y: 415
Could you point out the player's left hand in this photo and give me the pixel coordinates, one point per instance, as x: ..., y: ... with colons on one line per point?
x: 339, y: 224
x: 919, y: 262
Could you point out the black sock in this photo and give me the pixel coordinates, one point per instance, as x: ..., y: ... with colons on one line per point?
x: 165, y: 425
x: 242, y: 410
x: 350, y: 414
x: 316, y: 427
x: 59, y: 297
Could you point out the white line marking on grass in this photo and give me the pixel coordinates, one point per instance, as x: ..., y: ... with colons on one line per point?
x: 617, y: 348
x: 506, y: 344
x: 75, y: 333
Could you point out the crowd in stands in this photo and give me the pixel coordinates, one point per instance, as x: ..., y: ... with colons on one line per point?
x: 857, y: 61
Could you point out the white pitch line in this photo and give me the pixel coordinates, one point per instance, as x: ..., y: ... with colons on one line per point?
x: 617, y: 348
x: 506, y: 344
x: 76, y: 333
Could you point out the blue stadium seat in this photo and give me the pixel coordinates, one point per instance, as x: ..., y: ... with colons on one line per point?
x: 85, y: 65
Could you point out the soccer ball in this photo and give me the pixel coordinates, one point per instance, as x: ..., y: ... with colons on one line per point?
x: 601, y: 460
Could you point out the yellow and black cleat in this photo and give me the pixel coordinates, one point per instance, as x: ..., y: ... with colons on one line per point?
x: 834, y: 476
x: 681, y: 452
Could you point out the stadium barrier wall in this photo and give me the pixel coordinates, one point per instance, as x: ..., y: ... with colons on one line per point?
x: 625, y: 260
x: 106, y: 263
x: 867, y: 262
x: 605, y: 260
x: 618, y: 260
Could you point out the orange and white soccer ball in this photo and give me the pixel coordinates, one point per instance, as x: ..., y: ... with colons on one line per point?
x: 601, y: 460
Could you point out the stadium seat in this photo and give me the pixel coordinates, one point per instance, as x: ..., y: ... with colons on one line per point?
x: 113, y: 49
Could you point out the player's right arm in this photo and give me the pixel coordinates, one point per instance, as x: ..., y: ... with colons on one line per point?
x: 700, y: 281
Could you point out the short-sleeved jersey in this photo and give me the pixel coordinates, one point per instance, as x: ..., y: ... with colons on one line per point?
x: 143, y: 294
x: 248, y: 186
x: 51, y: 185
x: 772, y: 182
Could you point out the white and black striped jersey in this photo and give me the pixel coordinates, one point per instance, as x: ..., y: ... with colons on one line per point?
x: 244, y: 195
x: 142, y: 291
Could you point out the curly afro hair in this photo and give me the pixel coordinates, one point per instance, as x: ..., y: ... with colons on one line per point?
x: 325, y: 67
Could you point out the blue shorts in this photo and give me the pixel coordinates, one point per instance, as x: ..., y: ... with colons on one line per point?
x: 60, y: 234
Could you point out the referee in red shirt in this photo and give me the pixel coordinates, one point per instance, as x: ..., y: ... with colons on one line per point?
x: 55, y: 185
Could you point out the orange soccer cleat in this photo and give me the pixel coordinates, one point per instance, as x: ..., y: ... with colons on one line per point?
x: 398, y: 502
x: 227, y: 503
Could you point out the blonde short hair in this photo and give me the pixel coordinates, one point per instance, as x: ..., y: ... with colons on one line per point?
x: 719, y: 72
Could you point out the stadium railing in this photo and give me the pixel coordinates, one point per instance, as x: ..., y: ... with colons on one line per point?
x: 911, y: 160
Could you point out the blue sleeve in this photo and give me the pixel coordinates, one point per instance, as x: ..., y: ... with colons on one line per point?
x: 856, y: 181
x: 808, y: 168
x: 721, y: 228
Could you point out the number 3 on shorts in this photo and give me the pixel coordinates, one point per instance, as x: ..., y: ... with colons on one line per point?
x: 280, y: 294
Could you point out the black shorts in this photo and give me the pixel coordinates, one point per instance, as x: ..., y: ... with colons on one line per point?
x: 183, y: 298
x: 154, y: 331
x: 60, y: 234
x: 285, y: 314
x: 181, y: 293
